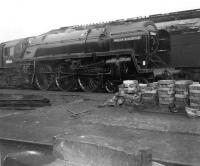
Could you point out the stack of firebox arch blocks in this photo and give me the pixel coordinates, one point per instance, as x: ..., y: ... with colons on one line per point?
x: 181, y: 95
x: 194, y: 99
x: 149, y: 94
x: 166, y: 91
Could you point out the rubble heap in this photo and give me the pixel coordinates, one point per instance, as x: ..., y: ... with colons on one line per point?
x: 130, y: 92
x: 129, y: 87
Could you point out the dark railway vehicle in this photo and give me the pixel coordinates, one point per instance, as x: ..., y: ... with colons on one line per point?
x: 91, y: 58
x: 180, y: 48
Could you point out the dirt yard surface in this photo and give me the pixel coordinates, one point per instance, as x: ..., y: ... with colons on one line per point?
x: 174, y: 138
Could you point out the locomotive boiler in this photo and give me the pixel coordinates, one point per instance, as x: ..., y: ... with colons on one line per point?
x: 90, y: 57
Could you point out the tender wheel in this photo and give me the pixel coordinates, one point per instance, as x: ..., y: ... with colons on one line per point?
x: 110, y: 87
x: 89, y: 84
x: 44, y: 78
x: 65, y: 79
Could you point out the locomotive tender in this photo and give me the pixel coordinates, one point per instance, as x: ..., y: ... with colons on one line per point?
x: 183, y: 38
x: 91, y: 57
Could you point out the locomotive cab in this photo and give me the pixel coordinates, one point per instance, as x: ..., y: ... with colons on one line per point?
x: 140, y: 38
x: 10, y: 53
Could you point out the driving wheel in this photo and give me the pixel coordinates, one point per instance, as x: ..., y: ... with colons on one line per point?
x: 65, y: 78
x: 44, y: 77
x: 89, y: 84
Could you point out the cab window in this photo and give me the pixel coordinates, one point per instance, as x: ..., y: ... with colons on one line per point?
x: 9, y: 51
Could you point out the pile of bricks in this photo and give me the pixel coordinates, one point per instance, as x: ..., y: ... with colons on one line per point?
x: 182, y: 94
x: 166, y: 91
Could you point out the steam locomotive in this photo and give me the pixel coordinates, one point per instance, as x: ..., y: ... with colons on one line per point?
x: 88, y: 57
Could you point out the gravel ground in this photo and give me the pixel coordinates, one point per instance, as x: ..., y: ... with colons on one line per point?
x: 172, y: 137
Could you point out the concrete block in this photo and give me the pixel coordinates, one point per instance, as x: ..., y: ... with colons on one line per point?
x: 100, y: 151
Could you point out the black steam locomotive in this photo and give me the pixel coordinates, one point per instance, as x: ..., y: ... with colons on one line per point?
x: 102, y: 56
x: 90, y: 57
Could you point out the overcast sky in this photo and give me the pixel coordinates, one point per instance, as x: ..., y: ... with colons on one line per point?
x: 23, y: 18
